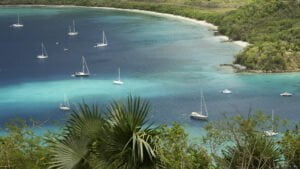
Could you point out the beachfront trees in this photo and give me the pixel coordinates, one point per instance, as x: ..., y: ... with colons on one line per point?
x: 290, y: 145
x: 272, y: 27
x: 243, y: 143
x: 176, y: 152
x: 120, y: 139
x: 22, y: 148
x: 253, y: 152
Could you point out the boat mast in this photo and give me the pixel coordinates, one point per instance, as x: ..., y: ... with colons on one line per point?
x: 73, y: 25
x: 103, y: 38
x: 201, y: 102
x: 42, y: 49
x: 83, y: 62
x: 18, y: 19
x: 84, y: 66
x: 119, y: 75
x: 66, y: 102
x: 272, y: 120
x: 205, y: 108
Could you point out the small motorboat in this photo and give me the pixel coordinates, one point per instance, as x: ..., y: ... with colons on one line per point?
x: 226, y: 91
x: 286, y: 94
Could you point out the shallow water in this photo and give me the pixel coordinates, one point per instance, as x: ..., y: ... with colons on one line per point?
x: 166, y: 61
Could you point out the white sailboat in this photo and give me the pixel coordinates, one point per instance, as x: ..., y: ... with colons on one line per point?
x: 18, y: 24
x: 200, y: 115
x: 72, y: 31
x: 65, y: 106
x: 104, y: 41
x: 271, y: 132
x: 44, y: 54
x: 118, y: 82
x: 85, y: 70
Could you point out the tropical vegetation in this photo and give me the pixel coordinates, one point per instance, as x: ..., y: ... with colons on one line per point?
x: 121, y: 136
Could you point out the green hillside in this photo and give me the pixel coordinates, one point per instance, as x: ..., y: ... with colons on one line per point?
x: 273, y: 27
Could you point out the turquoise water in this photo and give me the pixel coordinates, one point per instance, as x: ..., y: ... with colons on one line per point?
x: 166, y: 61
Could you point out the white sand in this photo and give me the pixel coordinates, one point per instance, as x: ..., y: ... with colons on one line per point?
x: 242, y: 43
x: 203, y: 23
x: 223, y: 38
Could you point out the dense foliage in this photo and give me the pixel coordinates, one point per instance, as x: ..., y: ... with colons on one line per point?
x: 273, y: 28
x: 121, y: 137
x: 21, y: 148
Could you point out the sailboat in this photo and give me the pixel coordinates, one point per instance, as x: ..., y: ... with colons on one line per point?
x: 44, y: 54
x: 18, y: 24
x: 85, y: 70
x: 200, y: 115
x: 72, y: 31
x: 104, y: 41
x: 271, y: 132
x: 118, y: 82
x: 65, y: 106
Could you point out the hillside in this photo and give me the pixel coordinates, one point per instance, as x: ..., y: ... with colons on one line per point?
x: 273, y: 27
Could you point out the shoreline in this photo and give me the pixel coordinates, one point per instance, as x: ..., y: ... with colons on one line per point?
x: 211, y: 26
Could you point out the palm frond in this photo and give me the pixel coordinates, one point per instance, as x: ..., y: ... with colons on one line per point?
x: 84, y: 122
x: 67, y: 154
x: 125, y: 142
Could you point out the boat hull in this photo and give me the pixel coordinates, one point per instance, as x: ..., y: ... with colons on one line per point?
x: 270, y: 133
x: 226, y: 91
x: 117, y: 82
x: 73, y: 33
x: 17, y: 25
x: 198, y: 116
x: 81, y: 74
x: 98, y: 45
x: 286, y: 95
x: 42, y: 57
x: 64, y: 108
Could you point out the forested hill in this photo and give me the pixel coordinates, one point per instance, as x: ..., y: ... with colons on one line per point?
x: 271, y: 26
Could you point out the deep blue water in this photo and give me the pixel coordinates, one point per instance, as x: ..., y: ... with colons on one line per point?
x: 166, y: 61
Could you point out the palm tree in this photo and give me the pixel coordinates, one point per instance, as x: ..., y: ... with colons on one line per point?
x: 126, y: 141
x: 72, y: 149
x: 257, y: 152
x: 121, y: 139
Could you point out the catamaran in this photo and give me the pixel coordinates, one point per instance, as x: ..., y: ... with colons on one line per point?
x: 72, y: 31
x: 18, y: 24
x: 85, y: 70
x: 65, y: 106
x: 104, y: 41
x: 44, y: 54
x: 271, y: 132
x: 118, y: 82
x: 200, y: 115
x: 226, y: 91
